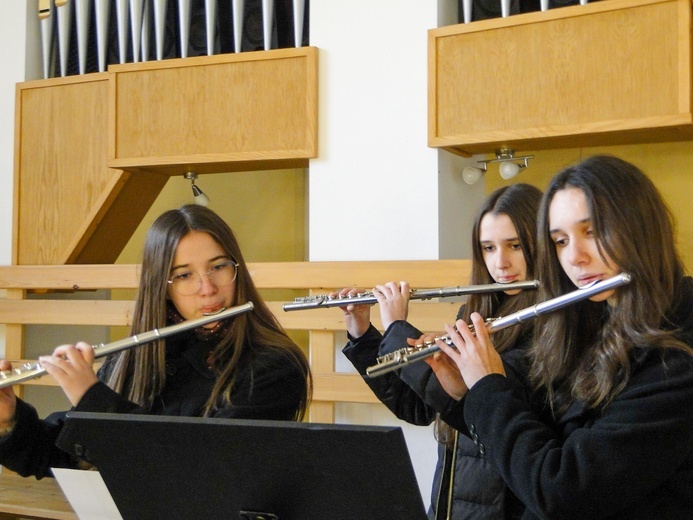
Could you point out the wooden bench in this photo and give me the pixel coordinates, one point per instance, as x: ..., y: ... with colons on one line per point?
x: 325, y: 327
x: 30, y: 498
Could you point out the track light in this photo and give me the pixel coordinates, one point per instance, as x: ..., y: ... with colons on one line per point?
x: 508, y: 170
x: 198, y: 194
x: 471, y: 174
x: 509, y: 167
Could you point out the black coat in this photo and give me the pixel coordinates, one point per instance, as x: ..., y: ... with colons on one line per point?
x: 271, y: 386
x: 413, y: 394
x: 631, y: 460
x: 634, y: 460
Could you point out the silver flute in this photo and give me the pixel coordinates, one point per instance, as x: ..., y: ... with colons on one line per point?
x: 33, y: 370
x: 325, y: 300
x: 410, y: 354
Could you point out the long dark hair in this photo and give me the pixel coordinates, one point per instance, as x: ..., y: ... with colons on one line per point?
x: 140, y: 374
x: 583, y: 352
x: 520, y: 202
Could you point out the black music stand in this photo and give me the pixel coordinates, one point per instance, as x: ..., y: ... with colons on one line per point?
x: 189, y: 468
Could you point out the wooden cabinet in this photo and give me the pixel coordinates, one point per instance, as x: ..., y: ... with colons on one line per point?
x: 70, y: 207
x: 231, y: 112
x: 94, y: 151
x: 610, y: 72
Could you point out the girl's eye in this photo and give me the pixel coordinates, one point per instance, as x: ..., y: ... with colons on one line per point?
x: 560, y: 241
x: 516, y: 247
x: 182, y: 276
x: 487, y: 249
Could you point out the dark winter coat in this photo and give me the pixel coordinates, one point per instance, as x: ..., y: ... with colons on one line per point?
x: 465, y: 485
x: 632, y: 460
x: 271, y: 386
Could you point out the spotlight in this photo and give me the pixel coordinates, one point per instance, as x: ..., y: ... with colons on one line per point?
x: 509, y: 167
x: 508, y: 170
x: 472, y: 174
x: 198, y: 195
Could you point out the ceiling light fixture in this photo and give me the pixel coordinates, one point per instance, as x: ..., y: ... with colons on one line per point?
x: 509, y: 165
x: 198, y: 194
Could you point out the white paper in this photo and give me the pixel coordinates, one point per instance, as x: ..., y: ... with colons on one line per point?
x: 87, y: 493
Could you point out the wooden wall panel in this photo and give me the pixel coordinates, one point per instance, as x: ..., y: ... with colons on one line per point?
x: 603, y: 73
x: 60, y: 165
x: 70, y: 207
x: 216, y: 113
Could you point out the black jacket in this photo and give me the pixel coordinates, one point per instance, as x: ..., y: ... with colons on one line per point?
x: 270, y: 386
x: 632, y: 460
x: 413, y: 394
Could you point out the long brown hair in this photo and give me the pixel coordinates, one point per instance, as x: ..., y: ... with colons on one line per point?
x: 140, y: 374
x: 520, y: 202
x: 583, y: 352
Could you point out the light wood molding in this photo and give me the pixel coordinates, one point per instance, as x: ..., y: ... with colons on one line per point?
x: 69, y: 277
x: 325, y: 326
x: 335, y: 387
x: 109, y: 313
x: 605, y: 73
x: 268, y: 275
x: 208, y: 114
x: 419, y: 273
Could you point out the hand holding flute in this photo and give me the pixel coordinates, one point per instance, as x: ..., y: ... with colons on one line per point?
x: 392, y: 297
x: 473, y: 357
x: 481, y: 356
x: 486, y: 359
x: 8, y: 403
x: 70, y: 365
x: 72, y: 368
x: 356, y: 317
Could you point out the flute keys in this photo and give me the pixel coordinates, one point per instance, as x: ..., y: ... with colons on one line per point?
x: 18, y: 371
x: 397, y: 356
x: 320, y: 298
x: 305, y: 299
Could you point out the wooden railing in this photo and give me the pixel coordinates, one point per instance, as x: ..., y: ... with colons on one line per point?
x: 324, y: 326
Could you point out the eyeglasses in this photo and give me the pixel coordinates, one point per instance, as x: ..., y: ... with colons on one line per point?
x: 188, y: 283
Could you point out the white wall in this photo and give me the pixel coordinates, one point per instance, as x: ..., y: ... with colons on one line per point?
x: 12, y: 15
x: 374, y: 188
x: 374, y: 173
x: 14, y: 53
x: 18, y: 62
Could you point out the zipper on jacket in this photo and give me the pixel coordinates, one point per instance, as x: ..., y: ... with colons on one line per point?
x: 451, y: 486
x: 440, y: 488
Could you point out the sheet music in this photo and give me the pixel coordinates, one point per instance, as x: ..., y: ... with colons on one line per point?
x: 87, y: 493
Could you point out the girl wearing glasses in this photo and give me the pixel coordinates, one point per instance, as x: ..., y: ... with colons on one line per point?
x: 242, y: 367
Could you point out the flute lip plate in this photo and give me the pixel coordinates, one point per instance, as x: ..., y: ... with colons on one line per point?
x: 625, y: 278
x: 215, y: 312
